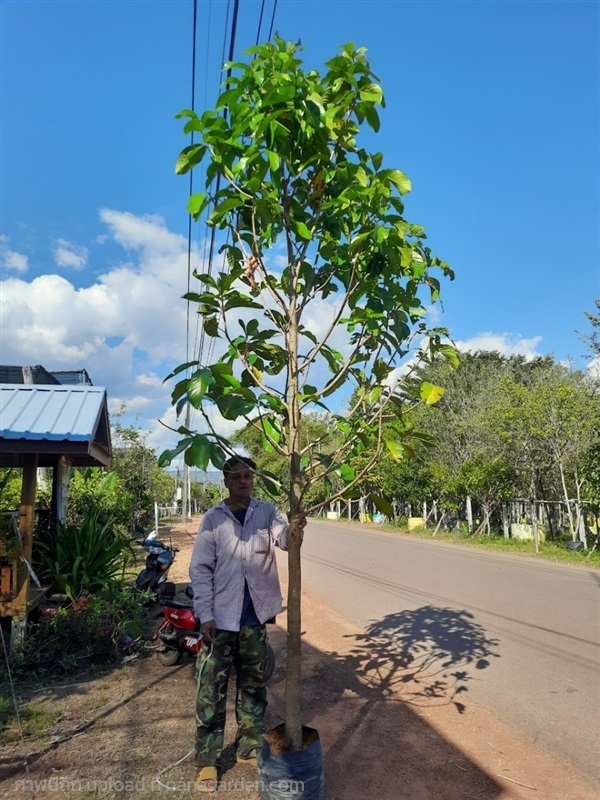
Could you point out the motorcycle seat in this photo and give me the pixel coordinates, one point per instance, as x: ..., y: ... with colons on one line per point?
x: 176, y: 604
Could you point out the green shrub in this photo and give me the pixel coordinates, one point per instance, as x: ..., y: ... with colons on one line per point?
x: 84, y: 557
x: 109, y: 622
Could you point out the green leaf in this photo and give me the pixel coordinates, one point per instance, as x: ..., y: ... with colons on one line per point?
x: 382, y: 506
x: 198, y: 453
x: 425, y: 438
x: 347, y: 473
x: 197, y: 203
x: 179, y: 390
x: 167, y: 456
x: 431, y: 393
x: 396, y: 450
x: 271, y: 430
x: 211, y: 327
x: 189, y: 157
x: 451, y: 355
x: 371, y: 93
x: 271, y: 481
x: 223, y: 375
x: 217, y: 457
x: 399, y: 179
x: 302, y: 230
x: 197, y: 386
x: 181, y: 368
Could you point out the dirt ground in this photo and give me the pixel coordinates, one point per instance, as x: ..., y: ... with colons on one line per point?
x: 385, y: 735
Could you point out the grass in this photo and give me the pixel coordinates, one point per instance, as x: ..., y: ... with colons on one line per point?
x: 7, y: 709
x: 36, y: 721
x: 552, y: 550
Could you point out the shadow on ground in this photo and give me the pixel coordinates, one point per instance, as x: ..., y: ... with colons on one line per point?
x: 360, y: 700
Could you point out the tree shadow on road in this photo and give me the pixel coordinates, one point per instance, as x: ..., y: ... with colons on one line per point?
x: 429, y: 655
x: 363, y: 698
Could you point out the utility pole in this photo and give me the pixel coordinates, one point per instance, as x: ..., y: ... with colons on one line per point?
x: 185, y: 495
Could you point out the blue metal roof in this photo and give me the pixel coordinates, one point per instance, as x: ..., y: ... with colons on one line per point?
x: 36, y: 412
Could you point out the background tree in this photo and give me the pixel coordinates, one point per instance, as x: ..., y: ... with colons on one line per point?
x: 593, y: 339
x: 206, y: 495
x: 343, y: 311
x: 142, y: 479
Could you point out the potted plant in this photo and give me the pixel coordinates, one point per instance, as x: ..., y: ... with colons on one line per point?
x: 321, y: 299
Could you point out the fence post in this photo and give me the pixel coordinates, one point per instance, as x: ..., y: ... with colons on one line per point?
x: 505, y: 521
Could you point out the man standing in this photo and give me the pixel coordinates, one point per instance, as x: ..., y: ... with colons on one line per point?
x: 236, y: 591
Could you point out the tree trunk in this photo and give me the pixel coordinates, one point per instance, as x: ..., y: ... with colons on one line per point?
x: 533, y: 506
x: 505, y: 527
x: 566, y: 493
x: 293, y: 719
x: 469, y: 514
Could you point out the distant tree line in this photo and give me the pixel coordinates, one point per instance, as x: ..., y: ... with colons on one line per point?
x: 506, y: 427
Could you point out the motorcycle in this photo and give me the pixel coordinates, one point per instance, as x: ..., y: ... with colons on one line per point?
x: 158, y: 563
x: 179, y: 632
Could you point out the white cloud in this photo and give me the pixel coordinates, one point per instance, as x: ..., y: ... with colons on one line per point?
x: 11, y: 259
x: 127, y: 327
x: 129, y: 404
x: 149, y: 379
x: 507, y: 344
x: 69, y: 254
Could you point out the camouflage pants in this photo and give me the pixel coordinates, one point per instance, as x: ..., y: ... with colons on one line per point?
x: 246, y: 650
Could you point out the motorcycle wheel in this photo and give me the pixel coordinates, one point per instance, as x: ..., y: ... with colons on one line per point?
x: 169, y: 657
x: 144, y: 581
x: 270, y: 663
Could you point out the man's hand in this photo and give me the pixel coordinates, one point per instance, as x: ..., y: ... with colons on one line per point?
x: 209, y: 631
x: 299, y: 518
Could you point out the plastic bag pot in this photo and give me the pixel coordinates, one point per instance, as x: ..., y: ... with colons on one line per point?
x: 291, y: 774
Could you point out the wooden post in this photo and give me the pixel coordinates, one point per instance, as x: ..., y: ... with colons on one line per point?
x: 60, y: 488
x: 26, y: 520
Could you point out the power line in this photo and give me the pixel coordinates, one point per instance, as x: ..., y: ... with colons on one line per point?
x: 218, y: 184
x: 272, y: 20
x: 189, y: 248
x: 262, y: 8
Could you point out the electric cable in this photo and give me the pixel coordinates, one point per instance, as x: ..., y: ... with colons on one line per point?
x: 218, y: 184
x: 272, y: 20
x: 262, y: 8
x: 189, y: 248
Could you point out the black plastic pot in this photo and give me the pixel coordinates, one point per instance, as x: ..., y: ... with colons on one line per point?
x: 294, y: 774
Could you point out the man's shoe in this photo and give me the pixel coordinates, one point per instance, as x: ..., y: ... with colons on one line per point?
x: 248, y: 758
x: 207, y: 779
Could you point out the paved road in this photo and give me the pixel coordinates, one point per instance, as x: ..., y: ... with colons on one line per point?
x: 523, y: 635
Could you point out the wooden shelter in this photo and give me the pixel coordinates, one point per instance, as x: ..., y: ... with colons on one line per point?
x: 45, y: 422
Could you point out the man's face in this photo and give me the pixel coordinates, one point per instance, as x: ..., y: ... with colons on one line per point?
x: 240, y: 482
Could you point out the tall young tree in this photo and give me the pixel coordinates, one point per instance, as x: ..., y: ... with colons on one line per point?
x: 325, y: 287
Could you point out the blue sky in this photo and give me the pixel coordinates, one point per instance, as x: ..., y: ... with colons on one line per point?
x: 492, y: 111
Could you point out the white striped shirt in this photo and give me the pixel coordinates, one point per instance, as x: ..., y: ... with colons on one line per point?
x: 226, y: 554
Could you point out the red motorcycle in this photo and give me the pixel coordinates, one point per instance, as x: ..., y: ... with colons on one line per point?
x: 179, y: 633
